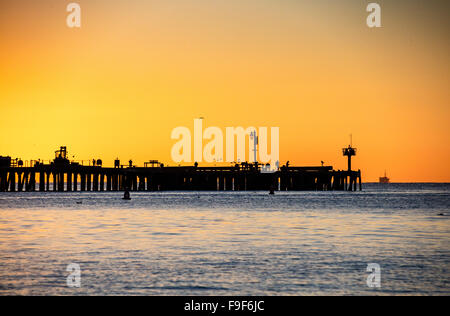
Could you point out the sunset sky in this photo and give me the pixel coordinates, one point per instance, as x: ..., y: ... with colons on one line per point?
x: 136, y: 69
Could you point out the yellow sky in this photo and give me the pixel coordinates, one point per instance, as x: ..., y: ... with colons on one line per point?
x: 137, y: 69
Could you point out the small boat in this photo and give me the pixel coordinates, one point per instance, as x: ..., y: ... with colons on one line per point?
x: 384, y: 179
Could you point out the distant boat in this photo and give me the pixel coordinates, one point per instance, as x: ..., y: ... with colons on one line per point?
x: 384, y: 179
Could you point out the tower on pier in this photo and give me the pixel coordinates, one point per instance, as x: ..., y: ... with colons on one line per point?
x: 349, y: 152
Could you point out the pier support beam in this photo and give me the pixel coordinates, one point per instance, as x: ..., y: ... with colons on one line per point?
x: 31, y: 187
x: 75, y: 182
x: 55, y: 181
x: 360, y: 180
x: 95, y: 182
x: 47, y: 174
x: 12, y: 181
x: 121, y: 184
x: 135, y: 183
x: 69, y: 182
x: 41, y: 181
x: 141, y: 186
x: 20, y: 181
x: 3, y: 182
x: 88, y: 182
x: 115, y: 182
x: 83, y: 182
x: 61, y: 181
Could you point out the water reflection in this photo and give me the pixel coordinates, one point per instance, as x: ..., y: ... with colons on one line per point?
x: 226, y: 244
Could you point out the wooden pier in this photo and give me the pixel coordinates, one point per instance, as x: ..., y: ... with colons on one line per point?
x: 64, y: 176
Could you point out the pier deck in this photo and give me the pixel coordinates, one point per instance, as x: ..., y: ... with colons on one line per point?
x: 70, y: 177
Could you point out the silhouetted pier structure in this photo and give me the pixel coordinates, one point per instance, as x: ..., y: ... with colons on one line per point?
x: 61, y: 175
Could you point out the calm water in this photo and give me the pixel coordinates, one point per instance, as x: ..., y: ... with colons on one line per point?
x: 233, y: 243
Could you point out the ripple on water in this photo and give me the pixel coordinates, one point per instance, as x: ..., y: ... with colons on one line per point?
x: 209, y: 243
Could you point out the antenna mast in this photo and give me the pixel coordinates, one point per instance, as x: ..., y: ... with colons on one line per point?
x: 255, y: 143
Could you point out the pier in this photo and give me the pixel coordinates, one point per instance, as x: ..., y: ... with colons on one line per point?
x: 61, y: 175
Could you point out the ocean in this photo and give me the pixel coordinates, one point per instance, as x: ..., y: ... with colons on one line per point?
x: 227, y: 243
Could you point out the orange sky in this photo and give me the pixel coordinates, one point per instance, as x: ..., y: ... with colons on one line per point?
x: 137, y: 69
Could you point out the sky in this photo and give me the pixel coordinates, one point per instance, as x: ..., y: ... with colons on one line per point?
x: 135, y: 70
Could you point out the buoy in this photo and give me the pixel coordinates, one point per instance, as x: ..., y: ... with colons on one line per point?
x: 126, y: 195
x: 272, y: 191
